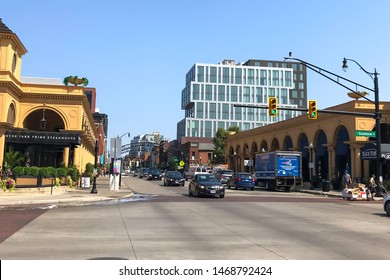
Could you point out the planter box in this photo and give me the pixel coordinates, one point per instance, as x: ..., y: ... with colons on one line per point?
x: 26, y: 182
x: 47, y: 182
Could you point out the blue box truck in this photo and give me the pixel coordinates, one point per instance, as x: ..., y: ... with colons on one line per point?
x: 279, y: 170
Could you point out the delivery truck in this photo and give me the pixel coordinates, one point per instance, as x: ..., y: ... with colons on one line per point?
x: 279, y: 170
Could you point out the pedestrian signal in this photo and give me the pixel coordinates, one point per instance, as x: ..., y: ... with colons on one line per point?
x: 312, y: 110
x: 272, y: 106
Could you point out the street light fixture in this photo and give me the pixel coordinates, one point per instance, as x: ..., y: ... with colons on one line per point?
x: 374, y: 77
x: 337, y: 79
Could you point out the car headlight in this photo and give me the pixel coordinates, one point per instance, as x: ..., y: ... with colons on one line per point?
x: 221, y: 187
x: 201, y: 186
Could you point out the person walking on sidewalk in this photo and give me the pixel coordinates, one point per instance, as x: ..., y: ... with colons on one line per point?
x: 372, y: 187
x: 346, y: 179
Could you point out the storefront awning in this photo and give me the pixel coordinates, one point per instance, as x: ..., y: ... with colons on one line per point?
x: 45, y: 138
x: 368, y: 151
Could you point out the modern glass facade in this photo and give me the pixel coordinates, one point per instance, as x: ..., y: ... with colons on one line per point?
x: 212, y: 90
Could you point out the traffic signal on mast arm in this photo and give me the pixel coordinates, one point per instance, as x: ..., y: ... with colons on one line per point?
x: 272, y: 106
x: 312, y: 110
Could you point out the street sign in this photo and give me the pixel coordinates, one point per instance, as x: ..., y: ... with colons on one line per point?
x: 181, y: 163
x: 365, y: 133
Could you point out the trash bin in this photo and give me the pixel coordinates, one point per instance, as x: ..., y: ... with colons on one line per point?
x: 325, y: 185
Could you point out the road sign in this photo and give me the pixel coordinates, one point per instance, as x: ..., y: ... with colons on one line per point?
x: 181, y: 163
x: 365, y: 133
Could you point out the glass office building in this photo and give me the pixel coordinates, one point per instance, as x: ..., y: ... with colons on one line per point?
x: 212, y: 90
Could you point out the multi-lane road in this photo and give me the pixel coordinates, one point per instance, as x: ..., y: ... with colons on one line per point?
x: 168, y: 224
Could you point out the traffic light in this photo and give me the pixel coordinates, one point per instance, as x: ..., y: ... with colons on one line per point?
x: 312, y: 110
x: 272, y: 106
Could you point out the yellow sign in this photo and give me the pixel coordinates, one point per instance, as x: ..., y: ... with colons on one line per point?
x: 181, y: 163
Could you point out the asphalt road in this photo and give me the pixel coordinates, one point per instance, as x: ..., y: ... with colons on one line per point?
x: 170, y: 225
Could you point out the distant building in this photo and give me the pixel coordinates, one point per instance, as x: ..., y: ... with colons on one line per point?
x: 212, y: 90
x: 144, y: 149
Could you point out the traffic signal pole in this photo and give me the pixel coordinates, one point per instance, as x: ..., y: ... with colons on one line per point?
x: 336, y: 112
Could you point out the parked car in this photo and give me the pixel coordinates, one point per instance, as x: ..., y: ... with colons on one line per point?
x: 136, y: 172
x: 143, y: 172
x: 386, y: 204
x: 224, y: 174
x: 154, y: 174
x: 173, y: 178
x: 241, y: 180
x: 206, y: 184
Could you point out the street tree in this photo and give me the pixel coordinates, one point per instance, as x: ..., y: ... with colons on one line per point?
x: 220, y: 143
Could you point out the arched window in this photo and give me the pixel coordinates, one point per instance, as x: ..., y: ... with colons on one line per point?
x: 11, y: 113
x: 14, y: 63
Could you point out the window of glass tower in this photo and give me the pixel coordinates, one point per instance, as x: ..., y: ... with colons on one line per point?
x: 238, y: 76
x: 213, y: 74
x: 200, y: 73
x: 225, y: 75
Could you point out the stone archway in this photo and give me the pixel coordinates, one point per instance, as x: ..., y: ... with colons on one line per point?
x: 342, y: 152
x: 288, y: 144
x: 54, y: 121
x: 321, y: 155
x: 303, y: 147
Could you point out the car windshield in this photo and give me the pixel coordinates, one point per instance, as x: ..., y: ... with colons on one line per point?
x: 208, y: 178
x: 175, y: 174
x: 153, y: 170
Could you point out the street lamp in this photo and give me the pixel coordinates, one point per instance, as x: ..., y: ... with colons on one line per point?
x: 374, y: 77
x: 338, y: 80
x: 94, y: 190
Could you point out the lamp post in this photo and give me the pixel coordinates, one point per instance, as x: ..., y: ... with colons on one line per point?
x: 338, y: 80
x: 374, y: 77
x: 94, y: 190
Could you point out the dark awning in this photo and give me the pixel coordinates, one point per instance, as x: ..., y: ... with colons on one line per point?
x: 368, y: 151
x: 47, y: 138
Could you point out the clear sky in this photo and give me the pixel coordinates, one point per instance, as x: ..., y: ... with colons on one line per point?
x: 137, y: 53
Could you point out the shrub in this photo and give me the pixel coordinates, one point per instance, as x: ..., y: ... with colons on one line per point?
x: 74, y: 174
x: 52, y: 172
x: 18, y: 171
x: 62, y: 172
x: 43, y: 171
x: 34, y: 171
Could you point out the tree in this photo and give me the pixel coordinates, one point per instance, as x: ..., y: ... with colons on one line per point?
x: 220, y: 143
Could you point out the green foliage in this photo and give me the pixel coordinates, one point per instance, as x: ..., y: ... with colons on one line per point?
x: 74, y: 174
x: 44, y: 172
x: 12, y: 158
x: 34, y: 171
x: 27, y: 170
x: 62, y: 172
x: 52, y: 172
x: 219, y: 142
x: 88, y: 170
x: 18, y: 171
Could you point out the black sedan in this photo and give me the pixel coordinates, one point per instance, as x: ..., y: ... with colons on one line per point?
x: 206, y: 184
x: 154, y: 174
x: 174, y: 178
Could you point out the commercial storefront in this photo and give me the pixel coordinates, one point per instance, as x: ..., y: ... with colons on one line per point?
x: 329, y: 145
x: 47, y: 122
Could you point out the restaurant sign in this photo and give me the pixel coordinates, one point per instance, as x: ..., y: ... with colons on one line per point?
x: 38, y: 137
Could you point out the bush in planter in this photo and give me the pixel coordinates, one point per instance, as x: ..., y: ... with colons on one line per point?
x: 18, y: 171
x: 34, y: 171
x: 52, y: 172
x: 74, y: 174
x: 88, y: 170
x: 43, y: 171
x: 62, y: 172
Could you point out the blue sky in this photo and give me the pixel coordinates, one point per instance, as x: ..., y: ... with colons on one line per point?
x: 137, y: 53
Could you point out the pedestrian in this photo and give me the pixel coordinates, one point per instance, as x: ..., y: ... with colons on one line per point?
x: 372, y: 187
x: 346, y: 179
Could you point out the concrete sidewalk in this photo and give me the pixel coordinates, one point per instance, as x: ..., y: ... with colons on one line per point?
x: 65, y: 196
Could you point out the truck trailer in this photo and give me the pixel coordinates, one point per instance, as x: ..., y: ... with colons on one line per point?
x: 279, y: 170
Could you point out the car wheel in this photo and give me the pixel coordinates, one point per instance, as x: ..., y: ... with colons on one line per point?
x: 228, y: 184
x: 235, y: 186
x: 165, y: 183
x: 387, y: 208
x: 182, y: 184
x: 196, y: 192
x: 253, y: 188
x: 222, y: 196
